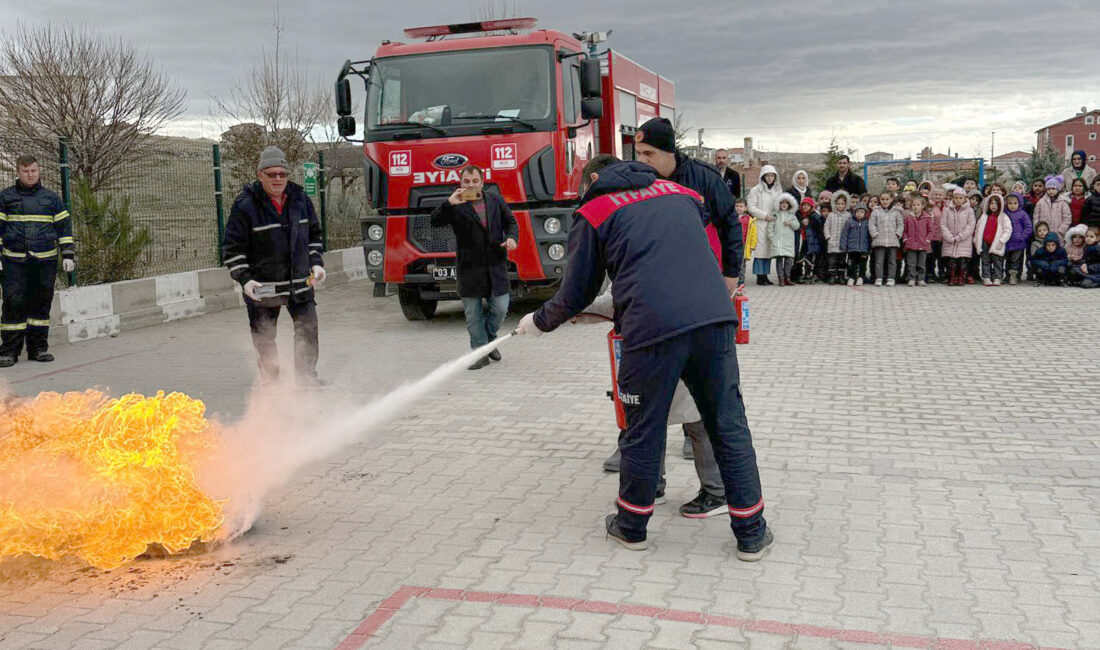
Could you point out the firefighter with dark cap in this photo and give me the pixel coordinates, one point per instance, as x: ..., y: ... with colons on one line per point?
x: 672, y: 308
x: 35, y: 228
x: 655, y: 145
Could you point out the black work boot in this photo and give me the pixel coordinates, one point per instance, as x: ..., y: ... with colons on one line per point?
x: 41, y: 356
x: 7, y: 360
x: 611, y: 523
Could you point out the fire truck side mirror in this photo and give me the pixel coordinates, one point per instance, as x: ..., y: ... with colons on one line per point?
x: 592, y: 108
x: 590, y: 78
x: 343, y: 97
x: 346, y: 126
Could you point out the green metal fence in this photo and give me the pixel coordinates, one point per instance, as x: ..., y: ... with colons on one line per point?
x: 176, y: 191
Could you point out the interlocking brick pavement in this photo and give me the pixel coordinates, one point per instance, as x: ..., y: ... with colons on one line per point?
x: 929, y: 459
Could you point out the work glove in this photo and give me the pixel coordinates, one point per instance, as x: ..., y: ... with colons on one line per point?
x: 318, y: 274
x: 250, y: 289
x: 527, y: 326
x: 68, y: 265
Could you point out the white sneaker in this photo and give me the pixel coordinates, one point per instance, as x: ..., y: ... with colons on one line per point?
x: 912, y: 283
x: 878, y: 283
x: 996, y: 283
x: 851, y: 282
x: 890, y: 283
x: 859, y: 282
x: 987, y: 282
x: 922, y: 283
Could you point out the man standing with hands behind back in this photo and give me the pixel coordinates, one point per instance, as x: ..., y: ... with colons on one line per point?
x: 273, y: 249
x: 485, y: 231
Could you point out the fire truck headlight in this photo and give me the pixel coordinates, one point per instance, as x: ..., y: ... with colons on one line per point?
x: 374, y: 258
x: 375, y: 232
x: 556, y: 252
x: 552, y: 226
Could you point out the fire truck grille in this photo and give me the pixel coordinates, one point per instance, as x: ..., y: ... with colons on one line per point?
x: 428, y: 238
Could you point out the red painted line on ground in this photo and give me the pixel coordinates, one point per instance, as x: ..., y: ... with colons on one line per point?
x: 384, y: 612
x: 861, y: 290
x: 402, y: 596
x: 76, y: 367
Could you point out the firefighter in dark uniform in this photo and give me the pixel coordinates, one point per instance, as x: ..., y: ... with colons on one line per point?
x: 655, y: 145
x: 34, y: 228
x: 673, y: 310
x: 273, y: 249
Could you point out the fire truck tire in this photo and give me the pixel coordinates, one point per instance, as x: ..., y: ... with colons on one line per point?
x: 413, y: 306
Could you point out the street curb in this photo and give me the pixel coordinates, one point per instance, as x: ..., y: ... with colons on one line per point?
x: 84, y: 313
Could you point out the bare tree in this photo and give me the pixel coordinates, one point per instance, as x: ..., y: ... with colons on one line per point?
x: 99, y: 93
x: 278, y: 95
x: 680, y: 129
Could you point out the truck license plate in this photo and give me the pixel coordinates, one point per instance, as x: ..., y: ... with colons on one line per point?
x: 444, y: 273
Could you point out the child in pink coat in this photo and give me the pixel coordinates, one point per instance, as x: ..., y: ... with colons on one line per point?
x: 1054, y: 209
x: 917, y: 240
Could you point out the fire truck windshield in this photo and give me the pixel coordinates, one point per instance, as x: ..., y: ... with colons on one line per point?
x: 462, y: 91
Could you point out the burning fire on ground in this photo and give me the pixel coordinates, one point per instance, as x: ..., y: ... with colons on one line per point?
x: 102, y: 478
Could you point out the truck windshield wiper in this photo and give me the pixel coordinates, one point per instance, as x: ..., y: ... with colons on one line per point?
x: 426, y: 126
x: 498, y: 117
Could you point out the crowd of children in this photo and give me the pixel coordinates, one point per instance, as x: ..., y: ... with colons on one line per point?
x: 920, y: 233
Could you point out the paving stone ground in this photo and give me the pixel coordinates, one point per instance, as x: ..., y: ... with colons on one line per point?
x: 930, y: 459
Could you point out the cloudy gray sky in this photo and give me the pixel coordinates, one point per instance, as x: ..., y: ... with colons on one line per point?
x: 878, y: 75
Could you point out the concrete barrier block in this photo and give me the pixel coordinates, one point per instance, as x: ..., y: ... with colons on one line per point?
x: 133, y: 295
x: 133, y: 320
x: 334, y: 262
x: 86, y: 303
x: 91, y: 328
x: 184, y: 309
x: 177, y: 287
x: 55, y: 311
x: 355, y: 263
x: 215, y: 281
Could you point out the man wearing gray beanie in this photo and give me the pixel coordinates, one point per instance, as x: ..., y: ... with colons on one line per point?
x: 273, y: 249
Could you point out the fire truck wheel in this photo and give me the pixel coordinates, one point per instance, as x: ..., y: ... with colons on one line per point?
x: 413, y: 306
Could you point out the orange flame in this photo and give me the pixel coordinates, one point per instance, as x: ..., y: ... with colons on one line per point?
x: 101, y: 479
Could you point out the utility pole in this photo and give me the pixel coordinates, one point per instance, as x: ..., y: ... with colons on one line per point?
x: 992, y: 139
x: 701, y: 141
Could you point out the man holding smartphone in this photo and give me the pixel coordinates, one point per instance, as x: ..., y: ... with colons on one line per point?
x: 273, y: 249
x: 485, y: 231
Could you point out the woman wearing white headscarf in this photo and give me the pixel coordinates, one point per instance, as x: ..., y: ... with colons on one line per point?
x: 762, y: 200
x: 799, y: 189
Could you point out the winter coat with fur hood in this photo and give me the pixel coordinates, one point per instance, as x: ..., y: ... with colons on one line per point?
x: 957, y: 228
x: 1056, y: 213
x: 781, y: 232
x: 834, y: 223
x: 1073, y: 251
x: 886, y: 226
x: 1000, y: 238
x: 761, y: 202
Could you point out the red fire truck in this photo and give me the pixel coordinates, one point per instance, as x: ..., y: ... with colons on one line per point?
x: 530, y: 106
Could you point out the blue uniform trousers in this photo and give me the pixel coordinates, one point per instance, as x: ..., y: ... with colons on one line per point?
x: 706, y: 359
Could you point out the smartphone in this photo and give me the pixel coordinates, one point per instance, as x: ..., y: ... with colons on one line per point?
x: 470, y: 195
x: 264, y: 290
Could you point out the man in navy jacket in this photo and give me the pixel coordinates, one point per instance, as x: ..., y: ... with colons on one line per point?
x: 674, y: 313
x: 273, y: 249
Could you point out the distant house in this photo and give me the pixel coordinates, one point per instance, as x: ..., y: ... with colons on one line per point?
x: 878, y: 156
x: 1011, y: 160
x: 1077, y: 132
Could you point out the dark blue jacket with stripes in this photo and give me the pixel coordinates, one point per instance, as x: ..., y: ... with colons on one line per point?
x: 262, y: 245
x: 648, y: 235
x: 34, y: 223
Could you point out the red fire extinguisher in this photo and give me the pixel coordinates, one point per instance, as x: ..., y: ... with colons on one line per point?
x: 741, y: 306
